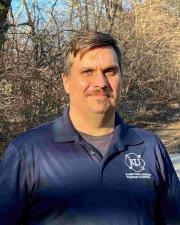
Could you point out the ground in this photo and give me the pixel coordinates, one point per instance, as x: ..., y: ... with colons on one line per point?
x: 170, y: 135
x: 163, y: 118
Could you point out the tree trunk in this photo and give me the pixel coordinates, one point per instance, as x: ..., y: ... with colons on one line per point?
x: 4, y: 7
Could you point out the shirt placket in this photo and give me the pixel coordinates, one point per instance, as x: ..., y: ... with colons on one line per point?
x: 93, y: 152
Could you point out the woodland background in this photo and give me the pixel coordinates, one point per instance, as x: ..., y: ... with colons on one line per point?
x: 34, y: 34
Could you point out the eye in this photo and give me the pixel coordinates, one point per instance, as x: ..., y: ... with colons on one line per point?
x: 87, y: 72
x: 110, y: 72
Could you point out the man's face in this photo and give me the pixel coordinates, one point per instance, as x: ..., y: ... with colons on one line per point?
x: 94, y: 82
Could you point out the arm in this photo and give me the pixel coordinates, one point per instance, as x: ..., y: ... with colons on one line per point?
x: 169, y: 201
x: 12, y: 187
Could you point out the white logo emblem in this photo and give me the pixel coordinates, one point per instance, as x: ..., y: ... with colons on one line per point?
x: 134, y: 162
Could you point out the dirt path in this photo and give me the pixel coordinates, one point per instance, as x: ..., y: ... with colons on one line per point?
x: 170, y: 135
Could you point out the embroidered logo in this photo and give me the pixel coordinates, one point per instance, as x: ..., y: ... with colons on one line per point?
x: 134, y: 162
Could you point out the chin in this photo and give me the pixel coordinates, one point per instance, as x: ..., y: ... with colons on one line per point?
x: 103, y: 110
x: 101, y: 107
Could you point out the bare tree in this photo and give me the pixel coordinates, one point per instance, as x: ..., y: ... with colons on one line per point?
x: 112, y: 7
x: 32, y: 57
x: 4, y: 8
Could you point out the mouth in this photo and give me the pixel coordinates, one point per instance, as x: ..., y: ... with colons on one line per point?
x: 99, y: 94
x: 101, y: 97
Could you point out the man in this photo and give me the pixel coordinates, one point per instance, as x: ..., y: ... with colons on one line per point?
x: 88, y: 167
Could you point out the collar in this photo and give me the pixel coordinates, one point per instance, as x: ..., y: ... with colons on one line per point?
x: 63, y: 131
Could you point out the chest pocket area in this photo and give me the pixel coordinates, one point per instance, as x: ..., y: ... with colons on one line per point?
x: 130, y: 173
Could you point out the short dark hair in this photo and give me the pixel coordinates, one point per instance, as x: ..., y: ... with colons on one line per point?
x: 86, y: 41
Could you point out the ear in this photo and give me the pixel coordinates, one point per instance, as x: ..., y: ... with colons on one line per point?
x: 65, y: 78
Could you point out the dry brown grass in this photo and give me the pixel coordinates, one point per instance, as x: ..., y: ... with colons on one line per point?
x: 170, y: 135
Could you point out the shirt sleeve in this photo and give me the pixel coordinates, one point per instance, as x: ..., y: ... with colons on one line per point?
x: 169, y: 202
x: 12, y: 187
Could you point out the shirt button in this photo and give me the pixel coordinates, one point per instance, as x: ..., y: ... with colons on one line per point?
x: 93, y: 152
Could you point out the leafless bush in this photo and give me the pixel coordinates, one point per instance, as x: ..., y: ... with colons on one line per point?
x: 150, y: 40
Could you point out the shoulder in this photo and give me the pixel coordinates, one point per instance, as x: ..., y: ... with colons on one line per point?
x: 151, y: 141
x: 145, y: 135
x: 33, y: 137
x: 153, y: 145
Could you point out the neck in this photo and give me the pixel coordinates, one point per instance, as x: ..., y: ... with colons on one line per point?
x: 93, y: 124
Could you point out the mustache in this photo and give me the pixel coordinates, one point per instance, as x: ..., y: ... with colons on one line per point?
x: 99, y: 92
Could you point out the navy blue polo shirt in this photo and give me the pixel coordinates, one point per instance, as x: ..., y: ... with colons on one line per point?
x: 50, y: 176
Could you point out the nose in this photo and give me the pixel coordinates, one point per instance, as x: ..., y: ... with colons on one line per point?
x: 100, y: 80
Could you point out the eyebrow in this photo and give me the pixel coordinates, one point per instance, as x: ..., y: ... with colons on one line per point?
x: 115, y: 67
x: 87, y: 68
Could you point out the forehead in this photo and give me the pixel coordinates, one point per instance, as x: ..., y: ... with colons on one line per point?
x: 102, y: 56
